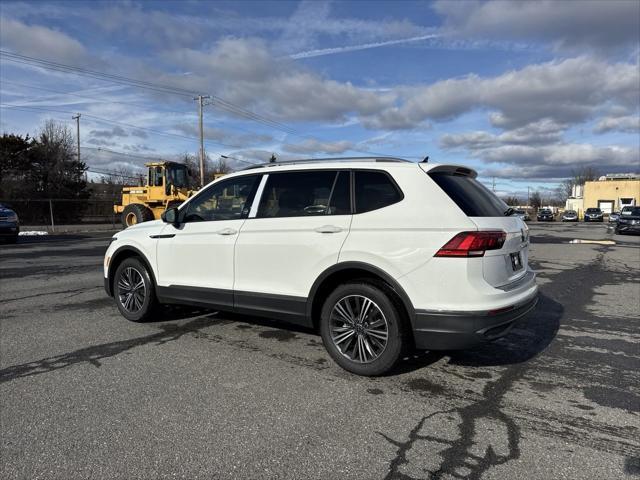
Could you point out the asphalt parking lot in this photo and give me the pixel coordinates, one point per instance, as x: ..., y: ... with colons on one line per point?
x: 199, y: 394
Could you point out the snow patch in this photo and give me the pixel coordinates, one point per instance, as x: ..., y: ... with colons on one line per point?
x: 33, y: 232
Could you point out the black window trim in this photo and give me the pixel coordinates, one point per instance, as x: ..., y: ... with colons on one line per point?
x: 184, y: 208
x: 352, y: 187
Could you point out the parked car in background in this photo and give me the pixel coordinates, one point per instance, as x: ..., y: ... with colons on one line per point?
x: 545, y: 215
x: 593, y: 215
x: 9, y: 224
x: 346, y: 246
x: 522, y: 214
x: 613, y: 217
x: 570, y: 216
x: 630, y: 223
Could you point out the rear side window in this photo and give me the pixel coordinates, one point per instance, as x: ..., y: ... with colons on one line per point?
x: 473, y: 198
x: 303, y: 194
x: 374, y: 190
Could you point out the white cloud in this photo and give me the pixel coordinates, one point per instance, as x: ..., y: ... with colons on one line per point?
x: 568, y: 91
x: 566, y: 24
x: 626, y: 124
x: 40, y: 42
x: 314, y: 146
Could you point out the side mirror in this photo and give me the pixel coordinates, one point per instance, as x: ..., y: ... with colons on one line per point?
x: 171, y: 215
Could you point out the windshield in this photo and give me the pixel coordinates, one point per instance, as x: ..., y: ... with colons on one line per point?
x: 570, y: 212
x: 593, y: 210
x: 177, y: 176
x: 635, y: 211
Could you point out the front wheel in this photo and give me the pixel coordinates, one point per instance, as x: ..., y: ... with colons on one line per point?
x: 134, y: 290
x: 362, y: 329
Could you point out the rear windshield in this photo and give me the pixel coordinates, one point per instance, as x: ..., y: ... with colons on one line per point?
x: 473, y: 198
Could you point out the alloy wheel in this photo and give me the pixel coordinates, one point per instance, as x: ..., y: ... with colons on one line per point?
x: 359, y: 329
x: 131, y: 290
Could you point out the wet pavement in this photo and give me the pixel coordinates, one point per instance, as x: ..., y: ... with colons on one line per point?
x: 201, y: 394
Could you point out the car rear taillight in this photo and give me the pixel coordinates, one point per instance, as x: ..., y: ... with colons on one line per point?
x: 472, y: 244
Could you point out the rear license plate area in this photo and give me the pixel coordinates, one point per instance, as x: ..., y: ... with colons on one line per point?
x: 516, y: 261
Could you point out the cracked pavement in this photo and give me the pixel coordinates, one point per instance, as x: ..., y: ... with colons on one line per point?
x: 202, y: 394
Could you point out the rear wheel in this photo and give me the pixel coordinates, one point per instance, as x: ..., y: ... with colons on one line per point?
x: 134, y: 290
x: 362, y: 329
x: 136, y: 213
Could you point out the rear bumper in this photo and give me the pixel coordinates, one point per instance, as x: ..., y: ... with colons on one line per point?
x: 627, y: 228
x: 9, y: 229
x: 459, y: 330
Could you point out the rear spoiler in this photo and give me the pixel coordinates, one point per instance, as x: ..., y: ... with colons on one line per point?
x: 457, y: 170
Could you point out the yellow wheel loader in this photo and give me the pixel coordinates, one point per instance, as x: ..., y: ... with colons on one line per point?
x: 167, y: 185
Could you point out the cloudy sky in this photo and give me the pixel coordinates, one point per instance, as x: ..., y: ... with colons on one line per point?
x: 523, y: 92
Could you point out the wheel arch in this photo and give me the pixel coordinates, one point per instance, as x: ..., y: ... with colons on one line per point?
x: 120, y: 255
x: 346, y: 271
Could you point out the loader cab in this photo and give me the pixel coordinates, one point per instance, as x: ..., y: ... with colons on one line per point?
x: 163, y: 176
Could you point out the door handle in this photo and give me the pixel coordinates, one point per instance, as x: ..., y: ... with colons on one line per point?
x: 227, y: 231
x: 328, y: 229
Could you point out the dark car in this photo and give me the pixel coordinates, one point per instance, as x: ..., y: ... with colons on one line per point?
x: 593, y: 215
x: 545, y: 215
x: 523, y: 214
x: 9, y: 224
x: 570, y: 216
x: 630, y: 223
x: 613, y: 217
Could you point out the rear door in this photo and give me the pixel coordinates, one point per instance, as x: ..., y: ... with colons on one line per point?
x: 296, y: 233
x: 487, y: 212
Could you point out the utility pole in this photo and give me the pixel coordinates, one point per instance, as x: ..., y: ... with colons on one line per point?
x: 77, y: 119
x: 200, y: 98
x: 528, y: 196
x: 494, y: 184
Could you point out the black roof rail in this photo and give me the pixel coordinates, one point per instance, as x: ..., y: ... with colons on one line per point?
x: 322, y: 160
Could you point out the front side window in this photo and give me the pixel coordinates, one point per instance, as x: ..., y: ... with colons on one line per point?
x: 226, y: 200
x: 304, y: 194
x: 374, y: 190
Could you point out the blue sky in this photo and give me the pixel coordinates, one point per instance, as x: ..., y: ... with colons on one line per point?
x: 525, y: 92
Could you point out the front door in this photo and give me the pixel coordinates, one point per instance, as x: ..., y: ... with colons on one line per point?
x: 295, y: 234
x: 195, y: 260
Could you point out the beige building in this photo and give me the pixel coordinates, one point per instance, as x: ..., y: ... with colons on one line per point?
x: 612, y: 192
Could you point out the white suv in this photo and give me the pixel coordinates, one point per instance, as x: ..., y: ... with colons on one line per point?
x: 379, y: 254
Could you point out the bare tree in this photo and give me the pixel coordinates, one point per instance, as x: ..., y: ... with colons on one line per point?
x: 536, y: 200
x: 120, y: 176
x: 222, y: 167
x: 511, y: 200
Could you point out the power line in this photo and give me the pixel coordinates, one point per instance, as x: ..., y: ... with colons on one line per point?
x: 119, y: 79
x: 114, y: 122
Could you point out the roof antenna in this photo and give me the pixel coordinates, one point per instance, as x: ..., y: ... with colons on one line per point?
x: 425, y: 160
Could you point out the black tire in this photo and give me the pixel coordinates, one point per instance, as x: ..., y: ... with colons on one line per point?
x: 397, y: 332
x: 131, y: 305
x: 13, y: 239
x: 135, y: 213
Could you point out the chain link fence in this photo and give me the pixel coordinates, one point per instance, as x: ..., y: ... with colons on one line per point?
x: 57, y: 211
